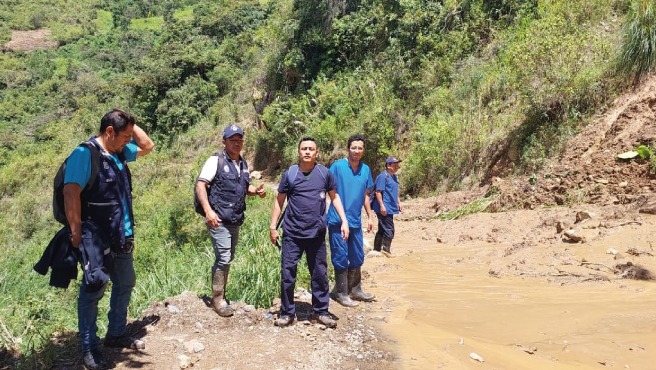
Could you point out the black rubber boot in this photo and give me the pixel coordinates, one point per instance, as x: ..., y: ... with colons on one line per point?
x: 340, y: 291
x: 355, y: 288
x: 378, y: 241
x: 387, y: 245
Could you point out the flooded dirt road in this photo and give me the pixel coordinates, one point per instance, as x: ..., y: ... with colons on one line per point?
x: 538, y: 304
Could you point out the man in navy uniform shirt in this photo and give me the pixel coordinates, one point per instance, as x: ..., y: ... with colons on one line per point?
x: 305, y: 187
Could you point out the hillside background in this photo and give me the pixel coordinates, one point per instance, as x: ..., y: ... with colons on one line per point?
x: 463, y: 91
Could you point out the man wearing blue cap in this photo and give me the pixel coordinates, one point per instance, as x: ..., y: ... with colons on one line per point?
x: 387, y: 204
x: 221, y: 189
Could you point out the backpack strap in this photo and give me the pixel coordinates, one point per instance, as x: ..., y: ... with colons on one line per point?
x: 95, y: 163
x: 322, y: 172
x: 292, y: 172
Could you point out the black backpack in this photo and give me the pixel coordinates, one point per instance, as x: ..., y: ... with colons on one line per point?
x: 58, y: 209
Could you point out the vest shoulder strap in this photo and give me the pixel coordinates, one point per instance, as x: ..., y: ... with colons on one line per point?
x: 219, y: 166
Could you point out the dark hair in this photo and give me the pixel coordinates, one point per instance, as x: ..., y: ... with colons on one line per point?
x: 117, y: 119
x: 356, y: 137
x: 306, y: 138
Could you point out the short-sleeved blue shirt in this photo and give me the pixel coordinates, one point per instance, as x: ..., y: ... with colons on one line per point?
x: 306, y: 202
x: 78, y: 171
x: 389, y: 186
x: 351, y: 187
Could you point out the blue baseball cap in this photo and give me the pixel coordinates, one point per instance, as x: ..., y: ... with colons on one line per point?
x: 391, y: 160
x: 231, y: 131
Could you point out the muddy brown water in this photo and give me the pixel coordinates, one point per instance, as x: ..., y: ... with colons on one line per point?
x: 441, y: 304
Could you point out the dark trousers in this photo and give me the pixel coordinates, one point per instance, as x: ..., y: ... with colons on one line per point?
x: 386, y: 226
x: 315, y: 255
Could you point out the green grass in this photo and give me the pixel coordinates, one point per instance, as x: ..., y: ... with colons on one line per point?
x: 173, y: 254
x: 638, y: 54
x: 185, y: 14
x: 150, y: 23
x: 157, y: 23
x: 104, y: 21
x: 477, y: 206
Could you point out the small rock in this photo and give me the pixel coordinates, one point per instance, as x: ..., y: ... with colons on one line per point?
x: 477, y: 357
x: 648, y: 204
x: 583, y: 215
x: 173, y: 309
x: 571, y: 234
x: 194, y: 346
x: 559, y: 199
x: 256, y: 175
x: 560, y: 226
x: 612, y: 251
x: 249, y: 308
x: 184, y: 361
x: 374, y: 254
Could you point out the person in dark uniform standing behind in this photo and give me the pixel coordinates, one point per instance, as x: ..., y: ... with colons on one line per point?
x: 101, y: 223
x: 304, y: 225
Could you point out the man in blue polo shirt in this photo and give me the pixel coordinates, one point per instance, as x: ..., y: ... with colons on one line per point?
x: 101, y: 223
x: 354, y: 182
x: 305, y: 187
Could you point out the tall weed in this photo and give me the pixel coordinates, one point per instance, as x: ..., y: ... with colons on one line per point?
x: 638, y: 53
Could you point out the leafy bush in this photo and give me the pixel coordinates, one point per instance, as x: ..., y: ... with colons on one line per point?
x: 334, y: 110
x: 185, y: 106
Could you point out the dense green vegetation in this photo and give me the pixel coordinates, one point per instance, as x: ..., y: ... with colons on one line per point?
x: 462, y: 90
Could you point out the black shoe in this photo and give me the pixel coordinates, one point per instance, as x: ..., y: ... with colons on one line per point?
x: 124, y: 341
x: 93, y: 360
x: 284, y: 320
x: 98, y: 356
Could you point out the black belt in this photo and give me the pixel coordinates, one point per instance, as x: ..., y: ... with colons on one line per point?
x: 127, y: 247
